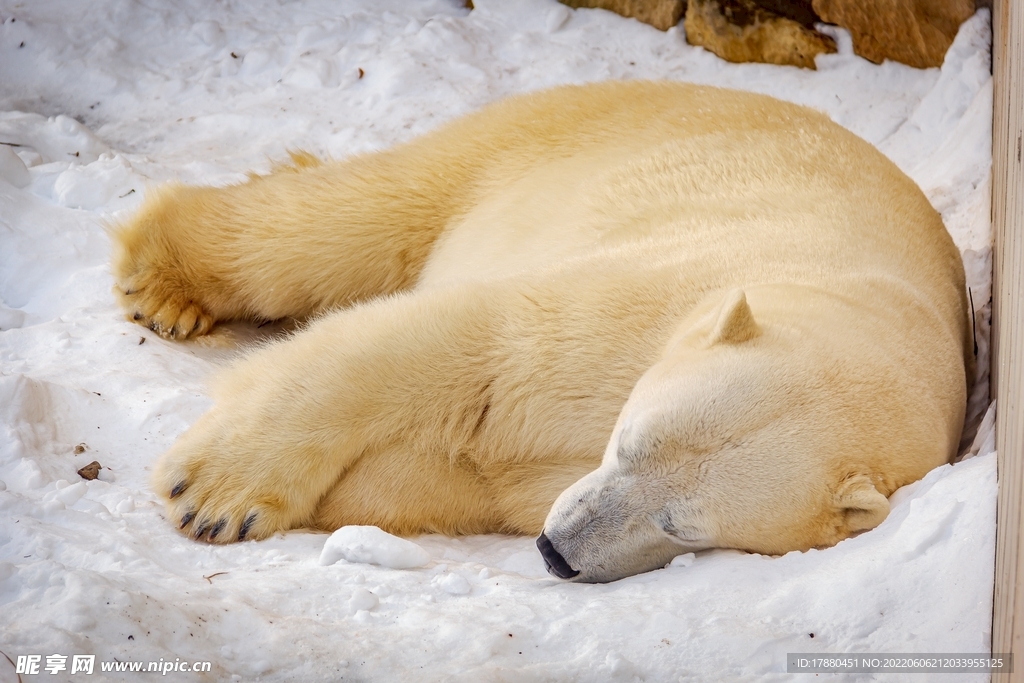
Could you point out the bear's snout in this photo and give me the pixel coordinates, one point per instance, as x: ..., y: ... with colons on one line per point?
x: 553, y: 560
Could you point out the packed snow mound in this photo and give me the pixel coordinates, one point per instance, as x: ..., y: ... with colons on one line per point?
x: 370, y: 545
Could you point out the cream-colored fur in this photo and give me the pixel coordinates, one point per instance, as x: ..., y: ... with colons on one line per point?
x: 755, y: 316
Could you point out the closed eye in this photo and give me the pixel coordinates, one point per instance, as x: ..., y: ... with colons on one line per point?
x: 635, y: 450
x: 686, y: 533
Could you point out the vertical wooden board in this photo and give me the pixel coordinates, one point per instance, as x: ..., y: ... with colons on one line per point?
x: 1008, y: 326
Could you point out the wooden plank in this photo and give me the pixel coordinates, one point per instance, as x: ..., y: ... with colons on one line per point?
x: 1008, y: 327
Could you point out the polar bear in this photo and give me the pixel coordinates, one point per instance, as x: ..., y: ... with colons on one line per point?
x: 635, y: 318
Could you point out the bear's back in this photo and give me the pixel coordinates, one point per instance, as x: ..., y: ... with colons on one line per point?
x: 741, y: 186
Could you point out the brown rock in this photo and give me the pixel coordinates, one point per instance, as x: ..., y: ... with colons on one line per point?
x: 662, y: 14
x: 915, y: 32
x: 800, y: 11
x: 743, y: 31
x: 90, y: 471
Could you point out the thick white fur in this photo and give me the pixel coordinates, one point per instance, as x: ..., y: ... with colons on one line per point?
x: 754, y: 315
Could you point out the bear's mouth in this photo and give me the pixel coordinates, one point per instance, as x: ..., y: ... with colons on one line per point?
x: 553, y: 560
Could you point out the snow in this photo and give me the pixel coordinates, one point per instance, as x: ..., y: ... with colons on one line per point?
x: 683, y: 561
x: 370, y: 545
x: 101, y: 100
x: 454, y: 584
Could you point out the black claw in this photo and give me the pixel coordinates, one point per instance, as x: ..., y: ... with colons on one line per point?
x: 245, y: 526
x: 189, y: 516
x: 129, y: 292
x: 196, y: 326
x: 201, y: 531
x: 137, y: 316
x: 176, y: 491
x: 217, y: 528
x: 152, y: 326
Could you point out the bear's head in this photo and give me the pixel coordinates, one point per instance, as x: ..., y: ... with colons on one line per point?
x: 742, y: 435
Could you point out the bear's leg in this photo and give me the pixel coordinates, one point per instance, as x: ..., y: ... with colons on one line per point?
x: 401, y: 375
x: 408, y: 491
x: 304, y: 239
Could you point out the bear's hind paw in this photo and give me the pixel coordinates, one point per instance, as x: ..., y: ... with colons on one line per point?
x: 171, y: 318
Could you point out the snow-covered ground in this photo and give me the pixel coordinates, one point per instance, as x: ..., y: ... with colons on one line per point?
x: 102, y: 99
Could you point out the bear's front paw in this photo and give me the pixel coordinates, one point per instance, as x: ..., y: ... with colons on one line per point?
x: 220, y: 488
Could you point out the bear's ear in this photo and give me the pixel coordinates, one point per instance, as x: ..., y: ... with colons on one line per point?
x: 735, y: 321
x: 862, y: 505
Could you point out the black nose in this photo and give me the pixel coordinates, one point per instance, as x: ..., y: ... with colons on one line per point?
x: 556, y: 564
